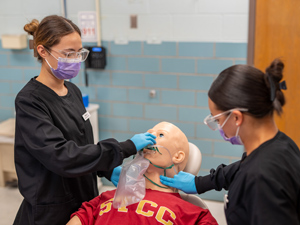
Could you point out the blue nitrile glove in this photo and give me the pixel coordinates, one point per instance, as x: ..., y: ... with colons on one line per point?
x: 116, y: 175
x: 182, y: 181
x: 142, y: 140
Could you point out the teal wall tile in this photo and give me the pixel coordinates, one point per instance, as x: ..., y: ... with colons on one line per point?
x: 112, y: 94
x: 6, y: 114
x: 212, y: 66
x: 30, y: 73
x: 196, y: 49
x: 192, y: 114
x: 105, y: 108
x: 209, y: 162
x: 204, y: 131
x: 98, y: 77
x: 7, y: 101
x: 205, y: 147
x: 195, y: 82
x: 115, y: 63
x: 113, y: 124
x: 142, y: 96
x: 143, y: 64
x: 227, y: 149
x: 243, y: 62
x: 141, y: 126
x: 122, y: 136
x: 24, y: 60
x: 128, y: 110
x: 178, y: 65
x: 3, y: 60
x: 132, y: 48
x: 16, y: 87
x: 202, y: 99
x: 187, y: 128
x: 229, y: 50
x: 163, y: 49
x: 160, y: 81
x: 178, y: 97
x: 168, y: 113
x: 11, y: 74
x: 90, y: 91
x: 5, y: 87
x: 104, y: 134
x: 127, y: 79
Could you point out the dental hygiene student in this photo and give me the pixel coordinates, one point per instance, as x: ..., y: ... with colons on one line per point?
x: 56, y: 161
x: 264, y: 186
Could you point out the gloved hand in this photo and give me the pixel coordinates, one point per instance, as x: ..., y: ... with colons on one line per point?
x: 116, y: 175
x: 182, y: 181
x: 142, y: 140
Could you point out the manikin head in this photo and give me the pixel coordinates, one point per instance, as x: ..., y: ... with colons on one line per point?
x: 172, y: 138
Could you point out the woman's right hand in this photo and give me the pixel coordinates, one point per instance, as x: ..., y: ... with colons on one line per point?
x: 142, y: 140
x: 182, y: 181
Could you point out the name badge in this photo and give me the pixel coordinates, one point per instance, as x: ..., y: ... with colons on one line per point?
x: 226, y: 201
x: 86, y: 116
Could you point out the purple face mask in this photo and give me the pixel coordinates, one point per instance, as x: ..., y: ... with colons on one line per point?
x: 66, y: 68
x: 235, y: 140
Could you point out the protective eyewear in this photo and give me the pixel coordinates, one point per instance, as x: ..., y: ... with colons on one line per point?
x: 81, y: 55
x: 213, y: 121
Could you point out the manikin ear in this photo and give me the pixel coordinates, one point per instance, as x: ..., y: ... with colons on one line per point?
x: 42, y: 51
x: 178, y: 157
x: 238, y: 117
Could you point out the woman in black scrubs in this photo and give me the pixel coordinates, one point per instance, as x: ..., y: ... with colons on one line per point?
x: 56, y: 160
x: 264, y: 186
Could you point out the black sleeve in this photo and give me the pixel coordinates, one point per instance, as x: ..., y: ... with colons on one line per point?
x: 217, y: 179
x: 36, y: 133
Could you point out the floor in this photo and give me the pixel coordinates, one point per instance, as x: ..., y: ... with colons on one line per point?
x: 11, y: 199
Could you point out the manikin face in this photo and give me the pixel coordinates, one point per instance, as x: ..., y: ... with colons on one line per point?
x: 172, y: 138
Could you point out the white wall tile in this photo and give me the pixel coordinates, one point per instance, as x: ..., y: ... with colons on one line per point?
x: 158, y: 26
x: 124, y: 6
x: 12, y: 7
x: 223, y: 6
x: 41, y: 7
x: 113, y: 26
x: 197, y: 28
x: 169, y: 20
x: 172, y: 6
x: 235, y: 28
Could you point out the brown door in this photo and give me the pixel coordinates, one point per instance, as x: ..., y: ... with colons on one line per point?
x: 277, y: 34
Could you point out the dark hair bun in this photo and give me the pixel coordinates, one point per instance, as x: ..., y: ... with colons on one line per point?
x: 31, y: 27
x: 275, y: 72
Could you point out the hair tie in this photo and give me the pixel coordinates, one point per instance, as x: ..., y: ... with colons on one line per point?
x: 282, y: 85
x: 272, y: 88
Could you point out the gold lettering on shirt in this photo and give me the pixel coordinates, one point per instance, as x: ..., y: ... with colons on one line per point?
x: 141, y: 205
x: 160, y: 214
x: 123, y: 209
x: 106, y: 205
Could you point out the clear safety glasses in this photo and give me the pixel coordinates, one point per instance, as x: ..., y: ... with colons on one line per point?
x: 81, y: 55
x: 213, y: 121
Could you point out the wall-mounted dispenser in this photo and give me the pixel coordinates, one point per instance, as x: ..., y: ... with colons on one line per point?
x: 14, y: 41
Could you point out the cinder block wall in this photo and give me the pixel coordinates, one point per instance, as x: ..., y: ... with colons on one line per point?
x: 180, y: 73
x: 199, y: 38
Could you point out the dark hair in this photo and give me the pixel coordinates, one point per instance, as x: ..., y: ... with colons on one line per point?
x: 243, y: 86
x: 49, y: 31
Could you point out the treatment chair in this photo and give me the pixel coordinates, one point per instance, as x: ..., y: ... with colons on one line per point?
x: 193, y: 167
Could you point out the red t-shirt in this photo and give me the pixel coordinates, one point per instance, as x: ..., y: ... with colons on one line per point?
x: 156, y: 208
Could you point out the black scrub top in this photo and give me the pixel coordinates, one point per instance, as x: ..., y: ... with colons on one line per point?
x: 56, y: 160
x: 264, y: 187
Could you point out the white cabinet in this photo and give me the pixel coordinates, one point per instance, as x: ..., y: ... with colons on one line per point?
x: 93, y: 110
